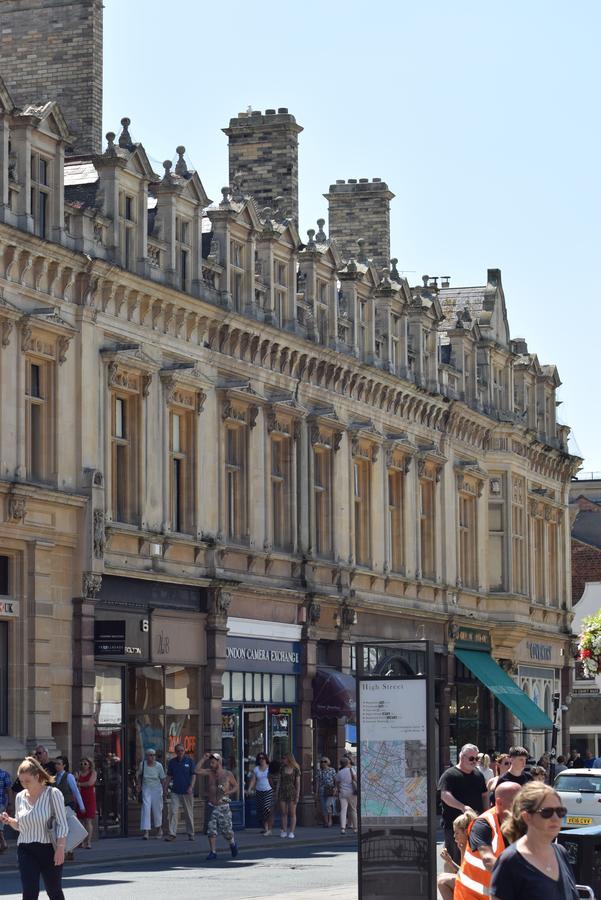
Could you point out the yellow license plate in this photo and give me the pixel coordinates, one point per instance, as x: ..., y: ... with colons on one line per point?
x: 579, y: 820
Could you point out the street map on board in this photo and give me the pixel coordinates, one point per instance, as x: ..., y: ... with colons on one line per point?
x: 391, y: 783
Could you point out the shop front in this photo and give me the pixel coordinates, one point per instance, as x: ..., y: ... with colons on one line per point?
x: 260, y: 697
x: 147, y: 693
x: 539, y: 676
x: 487, y: 706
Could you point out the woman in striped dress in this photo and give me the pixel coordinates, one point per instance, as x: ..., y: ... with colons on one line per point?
x: 260, y: 783
x: 35, y: 806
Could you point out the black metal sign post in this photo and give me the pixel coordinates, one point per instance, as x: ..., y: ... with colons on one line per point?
x: 396, y: 770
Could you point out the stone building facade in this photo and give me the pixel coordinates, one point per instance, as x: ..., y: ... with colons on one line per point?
x: 228, y: 455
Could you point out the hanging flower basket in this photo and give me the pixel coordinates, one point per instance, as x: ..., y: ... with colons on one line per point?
x: 589, y: 645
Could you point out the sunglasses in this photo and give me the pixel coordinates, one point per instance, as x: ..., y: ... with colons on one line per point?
x: 547, y: 811
x: 472, y: 759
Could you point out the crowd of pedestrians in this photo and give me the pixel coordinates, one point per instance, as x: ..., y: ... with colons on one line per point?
x: 500, y: 818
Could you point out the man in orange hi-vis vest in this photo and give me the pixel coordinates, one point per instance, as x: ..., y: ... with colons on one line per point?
x: 485, y: 845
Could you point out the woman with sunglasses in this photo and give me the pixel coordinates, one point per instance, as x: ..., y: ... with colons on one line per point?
x: 260, y: 784
x: 534, y: 867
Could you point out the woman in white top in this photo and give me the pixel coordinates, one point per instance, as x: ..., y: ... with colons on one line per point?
x: 260, y: 783
x: 36, y: 806
x: 346, y: 782
x: 483, y: 766
x: 152, y: 782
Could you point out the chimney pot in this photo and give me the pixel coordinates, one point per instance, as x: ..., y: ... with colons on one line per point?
x: 270, y: 112
x: 283, y: 110
x: 352, y: 181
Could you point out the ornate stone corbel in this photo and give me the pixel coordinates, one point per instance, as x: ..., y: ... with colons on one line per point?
x: 170, y: 385
x: 201, y: 398
x: 7, y: 328
x: 91, y: 584
x: 62, y: 348
x: 146, y: 384
x: 313, y: 612
x: 253, y: 414
x: 99, y: 534
x: 16, y: 508
x: 221, y: 603
x: 26, y: 337
x: 337, y: 441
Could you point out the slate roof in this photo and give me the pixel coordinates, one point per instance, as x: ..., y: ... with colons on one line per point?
x: 587, y: 527
x: 454, y: 299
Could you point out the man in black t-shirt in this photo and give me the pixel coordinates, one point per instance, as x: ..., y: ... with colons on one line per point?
x: 516, y: 774
x: 461, y: 787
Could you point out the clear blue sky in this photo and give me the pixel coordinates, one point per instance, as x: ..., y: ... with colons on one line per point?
x: 482, y: 117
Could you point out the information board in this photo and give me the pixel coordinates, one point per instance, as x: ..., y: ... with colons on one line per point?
x: 396, y: 783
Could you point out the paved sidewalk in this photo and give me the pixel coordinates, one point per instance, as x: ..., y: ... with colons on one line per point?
x: 112, y: 851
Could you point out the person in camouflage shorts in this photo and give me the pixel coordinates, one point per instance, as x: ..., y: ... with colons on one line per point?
x: 220, y: 785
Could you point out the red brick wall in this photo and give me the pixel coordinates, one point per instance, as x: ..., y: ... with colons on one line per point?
x: 586, y: 566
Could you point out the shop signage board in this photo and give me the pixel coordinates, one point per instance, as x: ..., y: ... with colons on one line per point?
x: 109, y: 638
x: 397, y: 779
x: 121, y: 635
x: 255, y: 655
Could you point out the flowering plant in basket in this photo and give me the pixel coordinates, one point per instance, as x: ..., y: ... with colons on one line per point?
x: 589, y: 644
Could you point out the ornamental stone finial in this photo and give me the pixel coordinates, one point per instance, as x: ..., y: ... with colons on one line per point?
x: 321, y: 237
x: 311, y: 242
x: 111, y: 150
x: 180, y: 167
x: 125, y: 141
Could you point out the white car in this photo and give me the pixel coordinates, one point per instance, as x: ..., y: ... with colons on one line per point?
x: 580, y: 792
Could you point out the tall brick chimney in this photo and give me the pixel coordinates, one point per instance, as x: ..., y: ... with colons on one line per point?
x: 361, y: 209
x: 52, y: 50
x: 263, y: 150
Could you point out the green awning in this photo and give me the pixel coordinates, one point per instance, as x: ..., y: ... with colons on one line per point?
x: 486, y: 670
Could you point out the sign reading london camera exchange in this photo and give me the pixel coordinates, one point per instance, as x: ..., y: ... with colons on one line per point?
x: 255, y: 655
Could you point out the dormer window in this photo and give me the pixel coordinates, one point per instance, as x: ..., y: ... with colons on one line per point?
x: 237, y: 273
x: 280, y: 277
x: 361, y: 337
x: 127, y: 235
x: 40, y: 194
x: 182, y: 241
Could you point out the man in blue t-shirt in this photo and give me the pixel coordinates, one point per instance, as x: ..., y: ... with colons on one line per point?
x: 181, y: 779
